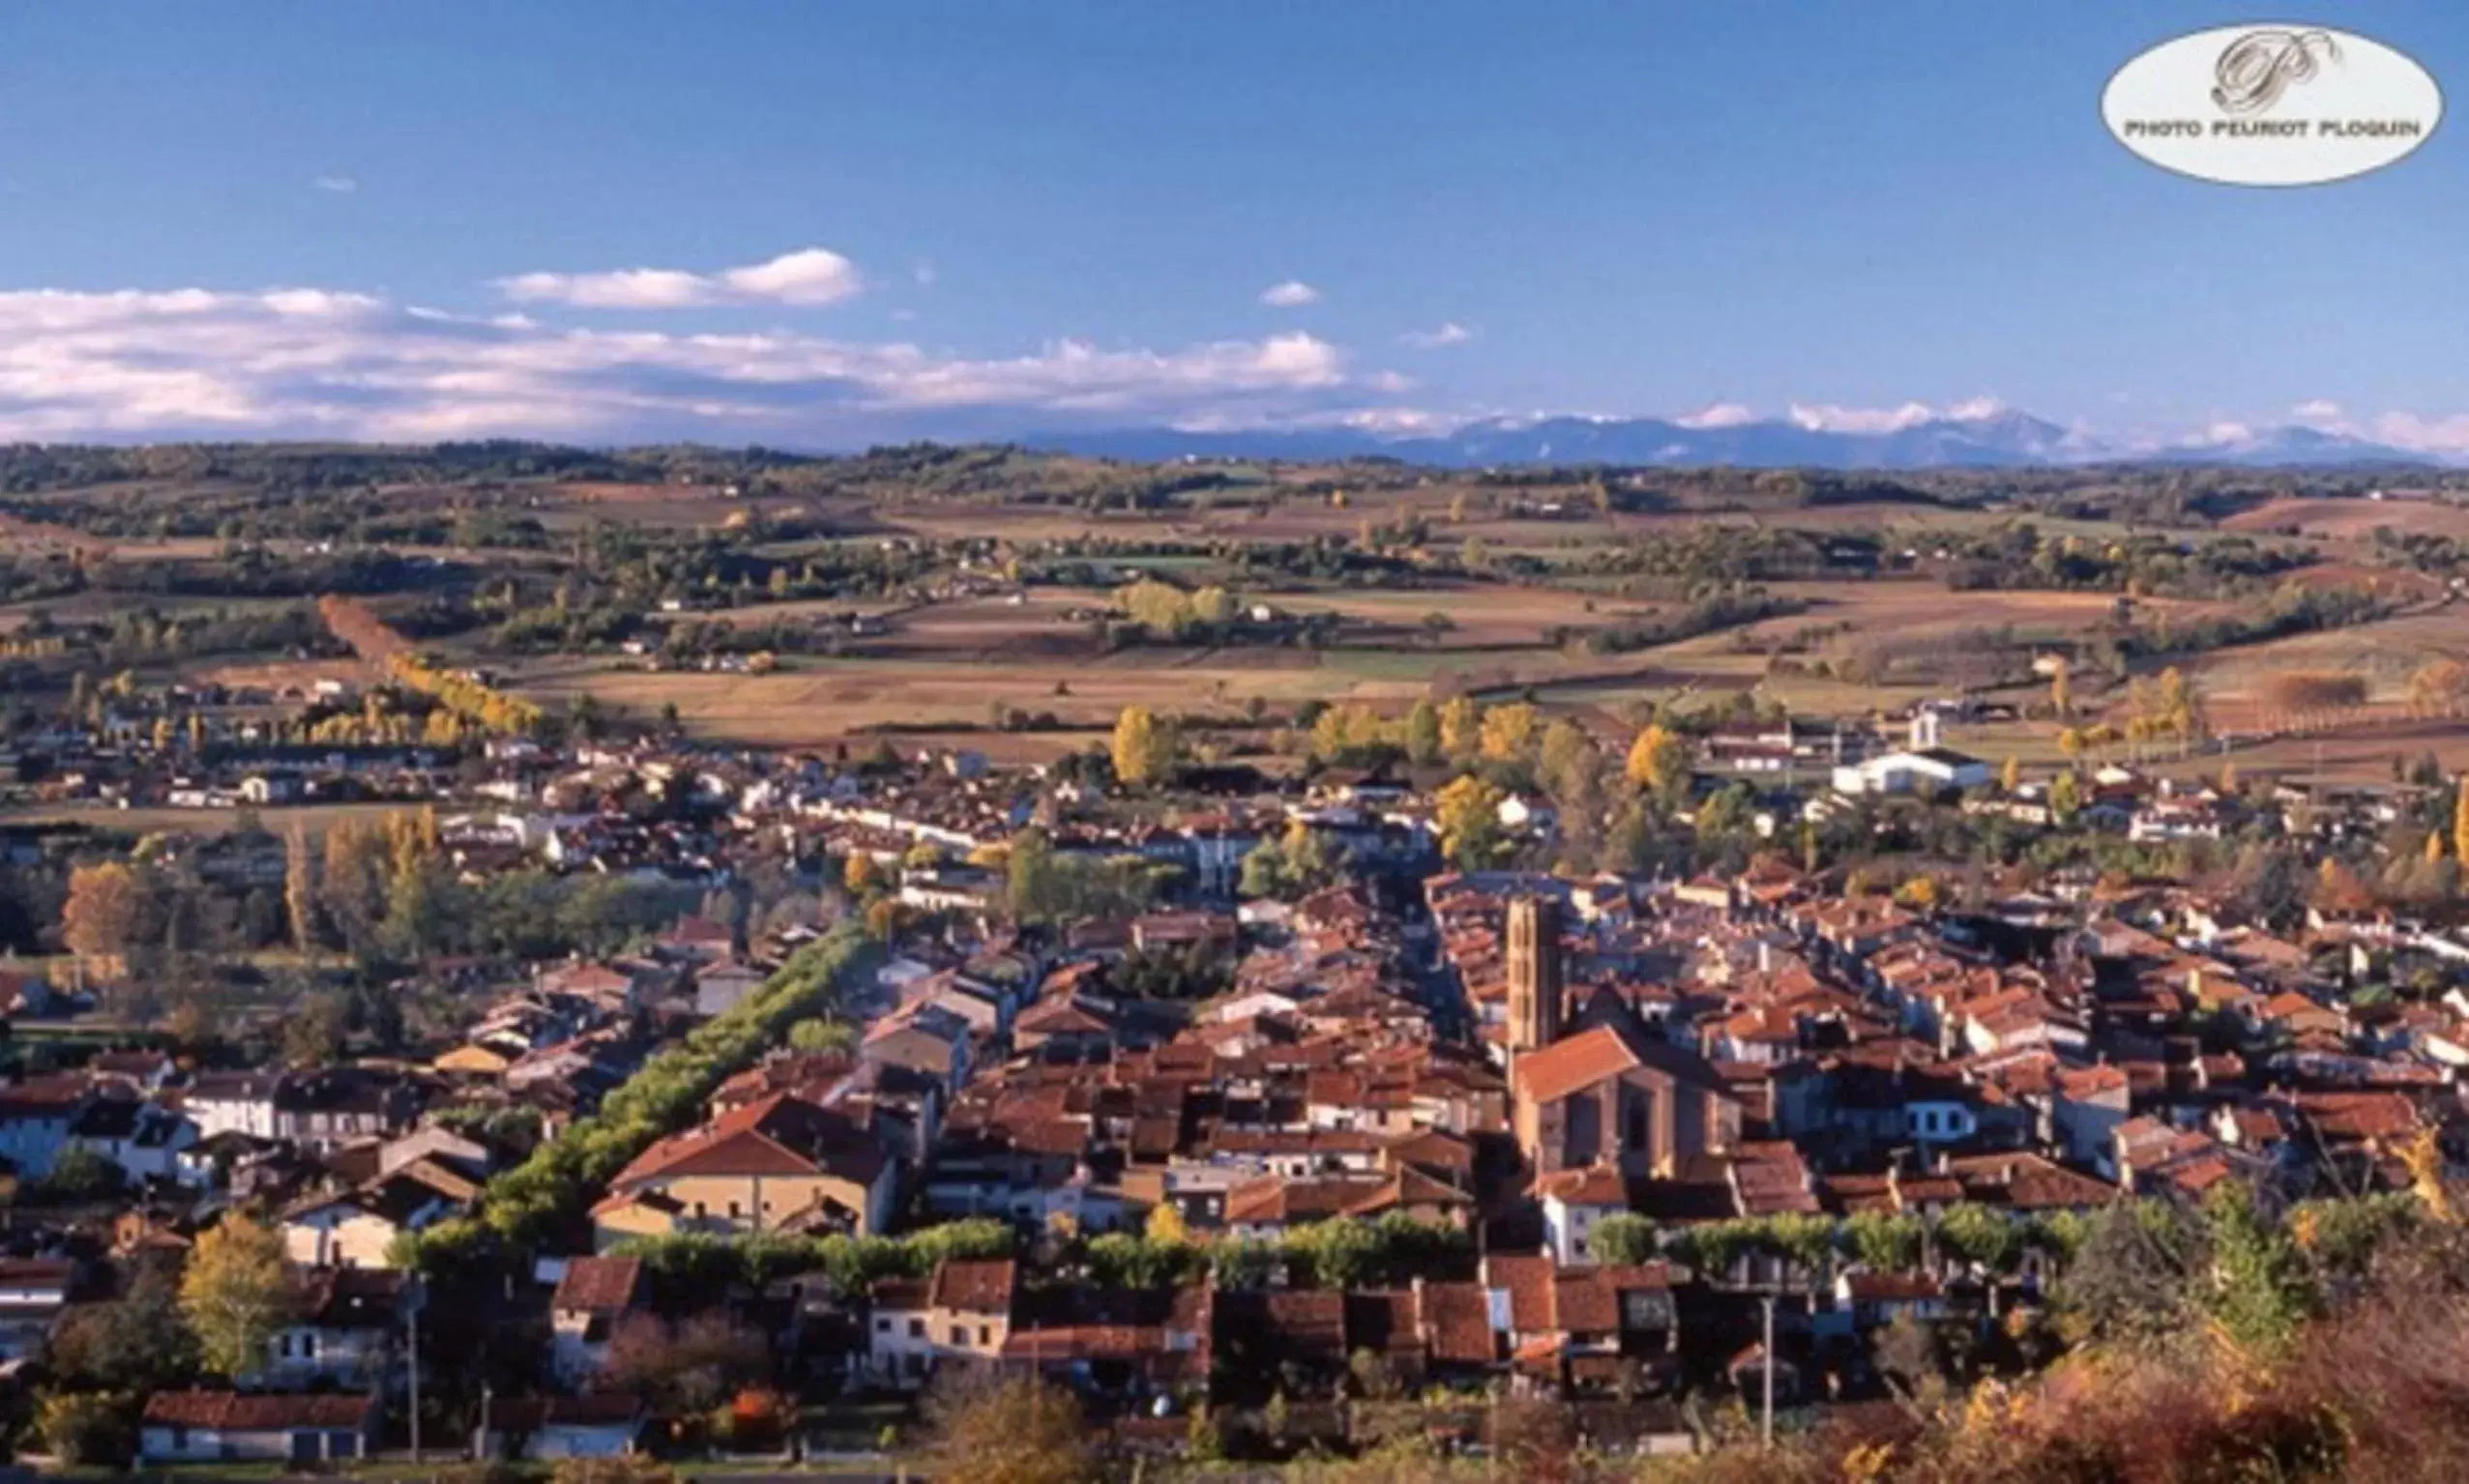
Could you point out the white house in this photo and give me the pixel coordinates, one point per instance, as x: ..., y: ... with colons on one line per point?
x: 202, y: 1426
x: 342, y: 1333
x: 1925, y: 765
x: 1574, y: 1203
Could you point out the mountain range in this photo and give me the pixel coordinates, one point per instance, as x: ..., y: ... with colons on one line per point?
x: 2003, y: 439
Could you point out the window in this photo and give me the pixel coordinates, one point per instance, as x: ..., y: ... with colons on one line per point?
x: 917, y: 1329
x: 732, y: 1211
x: 986, y: 1334
x: 960, y: 1334
x: 882, y: 1325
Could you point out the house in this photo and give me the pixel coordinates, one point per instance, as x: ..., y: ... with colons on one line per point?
x: 1930, y: 771
x: 36, y: 1117
x: 593, y: 1295
x: 33, y: 1292
x: 1924, y: 766
x: 720, y: 987
x: 293, y: 1428
x: 231, y: 1103
x: 357, y: 1227
x: 927, y: 1039
x: 1574, y: 1202
x: 145, y: 1140
x: 960, y: 1315
x: 598, y: 1424
x: 781, y: 1164
x: 1869, y: 1301
x: 343, y: 1330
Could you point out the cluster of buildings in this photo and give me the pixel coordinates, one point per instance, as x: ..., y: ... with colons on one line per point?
x: 1586, y: 1126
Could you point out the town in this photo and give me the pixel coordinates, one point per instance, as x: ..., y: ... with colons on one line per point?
x: 401, y: 1070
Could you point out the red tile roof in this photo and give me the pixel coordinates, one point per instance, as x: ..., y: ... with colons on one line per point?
x: 599, y: 1284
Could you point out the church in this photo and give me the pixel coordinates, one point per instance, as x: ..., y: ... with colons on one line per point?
x: 1611, y: 1094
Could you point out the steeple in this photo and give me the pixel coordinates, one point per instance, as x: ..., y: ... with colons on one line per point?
x: 1533, y: 961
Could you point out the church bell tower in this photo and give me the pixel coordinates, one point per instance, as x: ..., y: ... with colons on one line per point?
x: 1533, y: 961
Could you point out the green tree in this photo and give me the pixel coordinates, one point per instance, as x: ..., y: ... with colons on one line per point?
x: 137, y: 1342
x: 1884, y: 1241
x: 314, y: 1035
x: 82, y: 1174
x: 2259, y: 1292
x: 1032, y: 879
x: 1624, y: 1238
x: 86, y: 1429
x: 818, y: 1034
x: 1423, y: 739
x: 1980, y: 1235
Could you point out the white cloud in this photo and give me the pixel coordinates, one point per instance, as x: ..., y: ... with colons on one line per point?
x: 340, y: 185
x: 2445, y: 435
x: 804, y: 277
x: 1450, y: 333
x: 924, y: 272
x: 1293, y: 294
x: 318, y: 363
x: 1828, y: 417
x: 2319, y: 409
x: 1717, y: 415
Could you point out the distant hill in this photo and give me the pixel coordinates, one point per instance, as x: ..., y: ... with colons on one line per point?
x: 2006, y: 439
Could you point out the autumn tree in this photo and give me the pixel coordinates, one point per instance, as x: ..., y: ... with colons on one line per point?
x: 1162, y: 609
x: 104, y: 911
x: 1143, y: 747
x: 2066, y: 796
x: 1468, y: 813
x: 1566, y: 755
x: 2461, y: 822
x: 235, y: 1293
x: 1659, y: 761
x: 859, y: 874
x: 2439, y: 688
x: 300, y: 890
x: 685, y: 1367
x: 352, y: 886
x: 1461, y: 721
x: 993, y: 1429
x: 1213, y: 606
x: 1508, y: 731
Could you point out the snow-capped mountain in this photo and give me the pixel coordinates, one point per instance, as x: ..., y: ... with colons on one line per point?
x: 1999, y: 438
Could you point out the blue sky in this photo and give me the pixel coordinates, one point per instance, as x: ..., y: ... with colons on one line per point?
x: 1016, y: 216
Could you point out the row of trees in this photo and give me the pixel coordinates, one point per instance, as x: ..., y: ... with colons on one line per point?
x: 375, y: 641
x: 527, y: 1203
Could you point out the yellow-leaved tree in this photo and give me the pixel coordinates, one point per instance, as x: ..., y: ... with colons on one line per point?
x: 1659, y: 761
x: 1143, y: 746
x: 235, y: 1293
